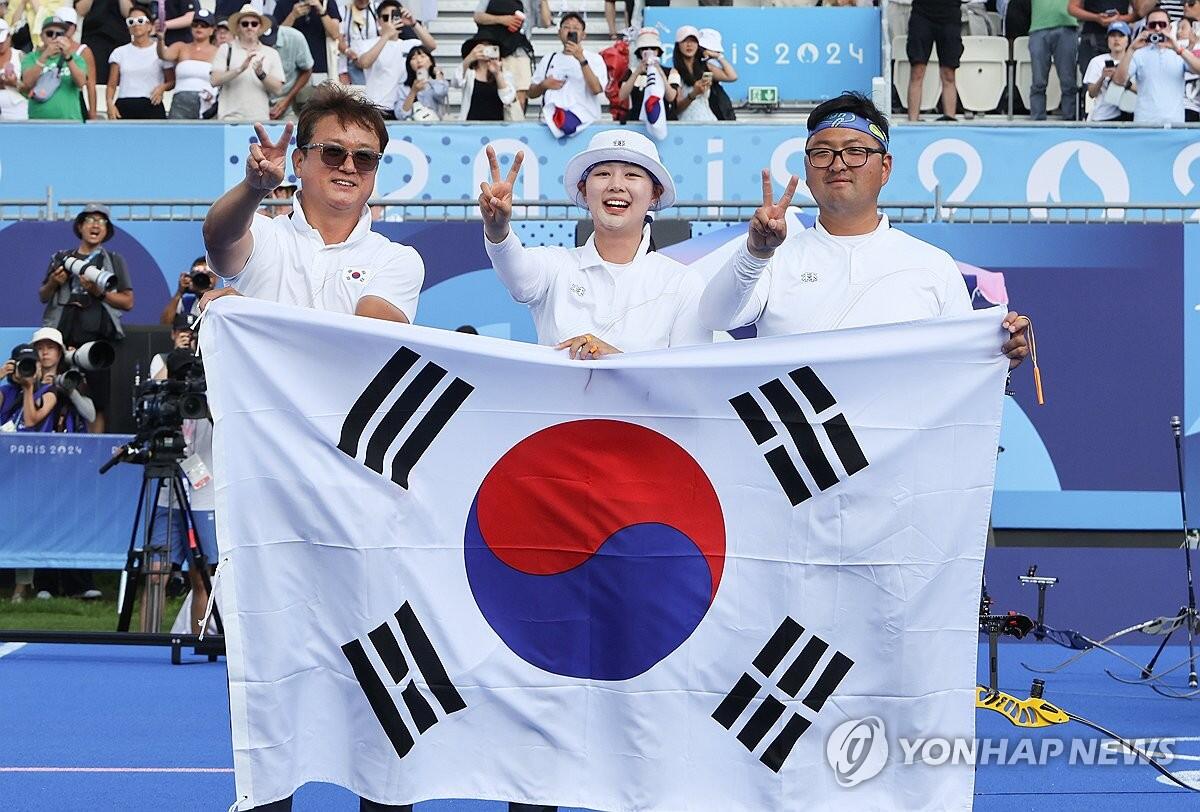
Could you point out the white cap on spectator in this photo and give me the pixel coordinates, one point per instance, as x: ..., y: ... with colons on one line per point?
x: 622, y: 145
x: 685, y: 31
x: 647, y: 38
x: 4, y: 30
x: 67, y: 15
x: 48, y: 334
x: 710, y: 40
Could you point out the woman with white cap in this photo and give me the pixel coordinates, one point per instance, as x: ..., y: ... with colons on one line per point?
x: 247, y: 71
x: 613, y: 294
x: 694, y: 75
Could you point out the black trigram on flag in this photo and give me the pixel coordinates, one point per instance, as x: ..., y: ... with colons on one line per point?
x: 797, y: 676
x: 421, y: 714
x: 812, y: 455
x: 412, y: 400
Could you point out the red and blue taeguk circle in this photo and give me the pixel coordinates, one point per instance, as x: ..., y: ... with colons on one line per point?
x: 594, y: 548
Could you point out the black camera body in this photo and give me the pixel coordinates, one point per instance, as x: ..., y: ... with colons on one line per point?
x: 1156, y: 38
x: 165, y: 404
x: 25, y: 358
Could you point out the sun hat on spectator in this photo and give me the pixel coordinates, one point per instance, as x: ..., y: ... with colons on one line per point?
x: 685, y: 31
x: 710, y: 40
x: 95, y: 208
x: 249, y: 10
x: 67, y: 15
x: 49, y: 334
x: 648, y: 38
x: 1120, y: 26
x: 223, y: 22
x: 622, y: 145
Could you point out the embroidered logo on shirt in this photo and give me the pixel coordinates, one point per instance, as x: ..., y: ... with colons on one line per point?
x: 356, y: 275
x: 808, y: 276
x: 578, y: 290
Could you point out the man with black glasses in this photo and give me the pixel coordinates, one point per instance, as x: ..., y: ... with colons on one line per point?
x: 324, y: 255
x: 852, y: 269
x: 1160, y: 66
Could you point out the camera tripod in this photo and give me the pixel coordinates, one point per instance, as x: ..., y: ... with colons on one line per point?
x: 148, y: 565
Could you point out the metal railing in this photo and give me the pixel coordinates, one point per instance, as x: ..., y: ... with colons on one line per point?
x: 935, y: 210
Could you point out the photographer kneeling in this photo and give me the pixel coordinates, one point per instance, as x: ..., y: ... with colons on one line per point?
x: 169, y: 522
x: 85, y: 291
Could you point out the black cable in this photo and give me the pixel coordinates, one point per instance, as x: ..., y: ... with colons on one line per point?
x: 1146, y: 756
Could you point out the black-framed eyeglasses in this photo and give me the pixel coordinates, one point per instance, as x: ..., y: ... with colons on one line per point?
x: 852, y: 157
x: 333, y: 155
x: 1158, y: 24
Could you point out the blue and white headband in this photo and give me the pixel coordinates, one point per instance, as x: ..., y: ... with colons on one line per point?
x: 850, y: 121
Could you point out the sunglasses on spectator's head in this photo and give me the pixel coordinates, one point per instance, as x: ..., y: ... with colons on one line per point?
x: 1157, y: 24
x: 132, y: 21
x: 332, y: 155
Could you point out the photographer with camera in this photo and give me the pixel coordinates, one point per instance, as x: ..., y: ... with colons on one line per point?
x: 52, y: 394
x: 572, y: 81
x: 85, y: 291
x: 170, y: 523
x: 192, y: 285
x: 1160, y: 66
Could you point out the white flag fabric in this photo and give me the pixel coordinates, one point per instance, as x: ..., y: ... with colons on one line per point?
x: 453, y: 566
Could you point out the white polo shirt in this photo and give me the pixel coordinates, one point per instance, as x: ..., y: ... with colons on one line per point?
x: 648, y: 304
x: 574, y: 94
x: 290, y: 263
x: 816, y: 281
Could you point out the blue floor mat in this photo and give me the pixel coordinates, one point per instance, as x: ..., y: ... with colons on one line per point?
x: 96, y: 728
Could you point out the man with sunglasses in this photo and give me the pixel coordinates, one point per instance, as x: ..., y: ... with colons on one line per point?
x: 52, y: 79
x: 1097, y: 16
x: 1160, y: 66
x: 324, y: 255
x: 852, y: 269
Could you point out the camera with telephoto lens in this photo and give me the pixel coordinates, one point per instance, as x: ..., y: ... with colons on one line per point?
x: 1156, y: 38
x: 25, y: 360
x: 201, y: 281
x: 91, y: 268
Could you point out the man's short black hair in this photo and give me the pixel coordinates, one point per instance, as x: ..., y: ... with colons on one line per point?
x: 572, y: 15
x: 200, y: 260
x: 849, y: 102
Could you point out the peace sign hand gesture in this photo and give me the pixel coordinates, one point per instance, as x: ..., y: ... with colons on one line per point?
x: 496, y: 198
x: 767, y: 227
x: 265, y: 166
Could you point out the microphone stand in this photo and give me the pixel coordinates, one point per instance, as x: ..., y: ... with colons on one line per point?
x: 1186, y: 616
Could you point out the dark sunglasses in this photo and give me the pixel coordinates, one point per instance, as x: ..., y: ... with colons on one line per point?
x: 1159, y: 24
x: 387, y: 18
x: 53, y: 34
x: 249, y: 23
x: 334, y: 156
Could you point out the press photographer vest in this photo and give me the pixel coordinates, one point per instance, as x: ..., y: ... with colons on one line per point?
x: 56, y: 308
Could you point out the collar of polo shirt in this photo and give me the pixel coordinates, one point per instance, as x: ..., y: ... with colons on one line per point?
x: 884, y: 225
x: 300, y: 223
x: 590, y: 258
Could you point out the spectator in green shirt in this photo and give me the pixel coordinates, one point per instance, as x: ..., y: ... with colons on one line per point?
x: 297, y: 62
x: 51, y: 79
x: 1053, y: 37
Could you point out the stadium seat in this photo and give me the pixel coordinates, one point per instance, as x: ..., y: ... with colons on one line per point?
x: 982, y: 73
x: 1024, y: 78
x: 931, y: 88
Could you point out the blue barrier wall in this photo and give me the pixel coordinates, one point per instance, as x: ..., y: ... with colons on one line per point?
x: 709, y: 162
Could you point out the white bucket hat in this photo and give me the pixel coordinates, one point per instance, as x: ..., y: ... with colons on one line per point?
x: 647, y: 38
x: 710, y: 40
x: 627, y: 146
x: 48, y: 334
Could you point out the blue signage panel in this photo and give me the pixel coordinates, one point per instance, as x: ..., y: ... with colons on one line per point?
x: 808, y: 53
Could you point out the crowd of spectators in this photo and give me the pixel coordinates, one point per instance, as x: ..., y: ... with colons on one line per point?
x: 1126, y: 60
x: 243, y: 61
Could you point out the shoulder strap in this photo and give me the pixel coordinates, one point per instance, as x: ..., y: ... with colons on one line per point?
x: 228, y: 55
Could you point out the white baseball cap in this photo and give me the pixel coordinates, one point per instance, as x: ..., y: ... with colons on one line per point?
x: 67, y: 15
x: 48, y: 334
x: 4, y: 30
x: 627, y: 146
x: 685, y: 31
x: 710, y: 40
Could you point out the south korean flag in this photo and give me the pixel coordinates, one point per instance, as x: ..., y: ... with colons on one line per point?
x: 459, y: 567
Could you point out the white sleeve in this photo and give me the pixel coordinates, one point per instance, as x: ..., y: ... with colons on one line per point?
x: 84, y: 405
x: 539, y: 73
x: 1094, y: 69
x: 399, y: 281
x: 687, y: 329
x: 156, y: 363
x: 249, y: 280
x: 520, y: 269
x: 737, y: 294
x: 600, y: 69
x: 509, y: 94
x: 956, y: 299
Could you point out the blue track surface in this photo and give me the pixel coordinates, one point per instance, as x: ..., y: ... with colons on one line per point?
x: 78, y: 708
